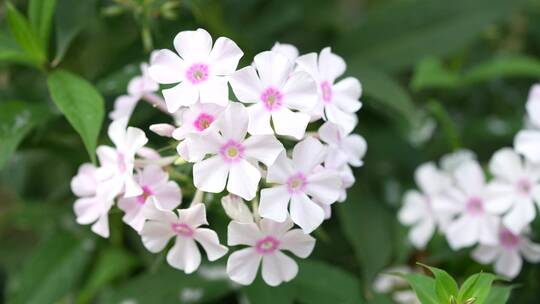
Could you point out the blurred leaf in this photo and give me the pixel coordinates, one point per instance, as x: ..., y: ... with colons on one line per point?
x: 16, y: 120
x: 499, y: 295
x: 423, y: 286
x: 52, y: 271
x: 505, y: 66
x: 112, y: 263
x: 398, y: 34
x: 40, y: 13
x: 71, y: 17
x: 445, y: 286
x: 431, y: 73
x: 24, y: 35
x: 477, y: 286
x: 81, y: 103
x: 116, y: 83
x: 260, y: 293
x: 365, y: 224
x: 169, y: 285
x: 10, y: 51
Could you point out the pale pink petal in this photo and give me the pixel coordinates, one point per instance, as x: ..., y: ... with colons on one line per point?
x: 278, y: 268
x: 275, y: 229
x: 210, y: 243
x: 500, y: 196
x: 485, y: 254
x: 324, y: 186
x: 193, y: 216
x: 355, y: 146
x: 123, y: 107
x: 309, y: 64
x: 210, y: 175
x: 463, y: 232
x: 414, y: 208
x: 297, y: 242
x: 470, y: 178
x: 242, y: 266
x: 527, y: 142
x: 156, y: 235
x: 193, y: 46
x: 330, y: 133
x: 289, y: 50
x: 131, y: 187
x: 107, y: 156
x: 101, y: 227
x: 422, y: 232
x: 85, y: 182
x: 134, y: 140
x: 243, y: 234
x: 214, y: 90
x: 273, y: 68
x: 198, y: 145
x: 184, y: 255
x: 264, y: 148
x: 530, y: 251
x: 508, y: 264
x: 305, y: 213
x: 506, y: 164
x: 274, y: 203
x: 308, y: 154
x: 166, y: 67
x: 224, y: 56
x: 346, y: 93
x: 163, y: 129
x: 287, y: 122
x: 243, y: 180
x: 487, y: 229
x: 133, y: 212
x: 300, y: 92
x: 347, y: 121
x: 148, y: 154
x: 259, y: 120
x: 246, y: 85
x: 521, y: 215
x: 168, y: 195
x: 533, y: 104
x: 117, y: 132
x: 88, y: 210
x: 430, y: 179
x: 280, y: 171
x: 233, y: 122
x: 183, y: 94
x: 331, y: 66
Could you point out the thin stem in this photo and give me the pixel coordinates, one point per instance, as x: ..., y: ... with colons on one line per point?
x: 255, y: 210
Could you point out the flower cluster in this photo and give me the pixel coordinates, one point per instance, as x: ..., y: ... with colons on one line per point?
x: 235, y: 148
x: 493, y: 215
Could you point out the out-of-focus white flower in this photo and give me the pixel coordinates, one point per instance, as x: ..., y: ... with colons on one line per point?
x: 421, y: 208
x: 527, y: 142
x: 342, y: 148
x: 299, y: 183
x: 338, y: 102
x: 515, y: 188
x: 507, y: 253
x: 266, y: 242
x: 387, y: 282
x: 274, y: 90
x: 154, y: 183
x: 162, y: 225
x: 450, y: 162
x: 236, y: 209
x: 288, y: 50
x: 232, y: 155
x: 200, y: 71
x: 475, y: 222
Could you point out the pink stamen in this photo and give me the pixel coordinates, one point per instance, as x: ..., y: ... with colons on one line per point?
x: 120, y: 158
x: 296, y: 183
x: 508, y: 239
x: 475, y: 206
x: 232, y: 151
x: 197, y: 73
x: 182, y: 229
x: 524, y: 186
x: 267, y: 245
x: 141, y: 199
x: 272, y: 99
x: 326, y: 89
x: 203, y: 121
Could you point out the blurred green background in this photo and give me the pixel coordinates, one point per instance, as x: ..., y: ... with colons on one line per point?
x: 437, y: 76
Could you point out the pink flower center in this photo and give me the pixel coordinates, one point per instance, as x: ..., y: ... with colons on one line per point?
x: 203, y: 121
x: 296, y: 183
x: 272, y: 99
x: 326, y: 89
x: 475, y: 206
x: 141, y: 199
x: 267, y: 245
x: 232, y: 151
x: 197, y: 73
x: 524, y: 186
x: 182, y: 229
x: 121, y: 159
x: 508, y: 239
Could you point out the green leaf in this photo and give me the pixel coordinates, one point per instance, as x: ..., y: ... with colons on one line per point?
x: 423, y: 286
x: 16, y: 120
x: 10, y: 51
x: 398, y: 34
x: 445, y: 286
x: 499, y: 295
x: 40, y: 13
x: 477, y: 287
x: 431, y: 73
x: 504, y: 66
x: 24, y: 35
x: 112, y: 263
x: 71, y: 17
x: 260, y: 293
x: 52, y: 271
x: 81, y: 103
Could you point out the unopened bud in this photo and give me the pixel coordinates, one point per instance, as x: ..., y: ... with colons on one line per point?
x: 236, y: 209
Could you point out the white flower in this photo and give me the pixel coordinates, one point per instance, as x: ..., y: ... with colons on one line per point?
x: 451, y: 161
x: 200, y: 71
x: 342, y: 148
x: 347, y: 180
x: 474, y: 222
x: 338, y: 102
x: 515, y: 187
x: 421, y: 208
x: 123, y: 107
x: 266, y: 243
x: 527, y: 142
x: 273, y: 92
x: 300, y: 181
x: 289, y: 50
x: 117, y: 163
x: 162, y: 225
x: 233, y: 156
x: 196, y: 119
x: 507, y: 253
x: 236, y: 209
x: 154, y: 183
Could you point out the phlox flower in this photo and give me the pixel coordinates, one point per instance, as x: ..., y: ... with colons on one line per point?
x: 233, y: 157
x: 266, y: 242
x: 515, y: 187
x: 420, y: 209
x: 289, y: 50
x: 184, y: 227
x: 338, y: 102
x: 342, y: 148
x: 300, y: 181
x: 475, y: 222
x: 507, y: 253
x: 155, y: 184
x: 527, y: 142
x: 274, y: 90
x: 199, y: 72
x: 197, y: 118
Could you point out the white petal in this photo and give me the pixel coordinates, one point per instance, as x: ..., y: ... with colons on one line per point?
x: 487, y: 229
x: 470, y: 177
x: 274, y: 203
x: 305, y: 213
x: 520, y: 216
x: 243, y: 234
x: 347, y: 121
x: 242, y: 266
x: 533, y: 104
x: 280, y: 171
x: 184, y: 255
x: 345, y: 94
x: 527, y: 142
x: 530, y: 251
x: 85, y: 182
x: 133, y: 212
x: 273, y: 68
x: 224, y: 56
x: 166, y: 67
x: 259, y: 120
x: 233, y: 122
x: 414, y: 208
x: 289, y: 50
x: 193, y: 45
x: 308, y: 154
x: 508, y: 264
x: 246, y: 85
x: 485, y: 254
x: 331, y: 66
x: 264, y: 148
x: 193, y: 216
x: 214, y: 90
x: 422, y: 232
x: 324, y: 186
x: 276, y: 229
x: 210, y: 175
x: 210, y: 242
x: 278, y: 268
x: 287, y: 122
x: 197, y: 145
x: 308, y: 63
x: 132, y: 188
x: 506, y: 164
x: 243, y: 180
x: 330, y: 133
x: 183, y: 94
x: 117, y: 132
x: 500, y: 196
x: 300, y: 92
x: 168, y: 196
x: 88, y: 209
x: 297, y: 242
x: 355, y: 146
x: 155, y: 235
x: 463, y: 232
x: 123, y: 107
x: 101, y: 227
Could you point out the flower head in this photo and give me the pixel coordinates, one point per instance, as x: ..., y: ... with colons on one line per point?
x: 342, y: 148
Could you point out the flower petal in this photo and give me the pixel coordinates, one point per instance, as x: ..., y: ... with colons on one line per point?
x: 355, y: 146
x: 463, y: 232
x: 259, y: 120
x: 215, y: 91
x: 470, y: 178
x: 308, y: 63
x: 233, y: 122
x: 297, y: 242
x: 305, y: 213
x: 193, y: 216
x: 508, y: 264
x: 243, y: 233
x: 430, y: 179
x: 264, y: 148
x: 88, y: 210
x: 101, y: 226
x: 85, y: 182
x: 345, y: 94
x: 193, y: 46
x: 183, y: 94
x: 224, y: 56
x: 280, y: 171
x: 414, y: 208
x: 243, y: 180
x: 246, y: 85
x: 324, y: 186
x: 527, y: 142
x: 276, y: 229
x: 210, y: 175
x: 274, y: 203
x: 210, y: 242
x: 347, y: 121
x: 331, y: 66
x: 123, y: 107
x: 155, y: 235
x: 184, y: 255
x: 506, y: 164
x: 422, y: 232
x: 278, y: 268
x: 308, y: 154
x: 530, y: 251
x: 166, y: 67
x: 168, y: 196
x: 520, y: 216
x: 242, y: 266
x: 287, y: 122
x: 485, y: 254
x: 274, y: 68
x: 300, y: 92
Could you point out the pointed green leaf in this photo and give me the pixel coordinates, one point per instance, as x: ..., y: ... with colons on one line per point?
x: 499, y: 295
x: 24, y: 35
x: 40, y: 13
x: 477, y: 287
x: 423, y: 286
x: 445, y: 286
